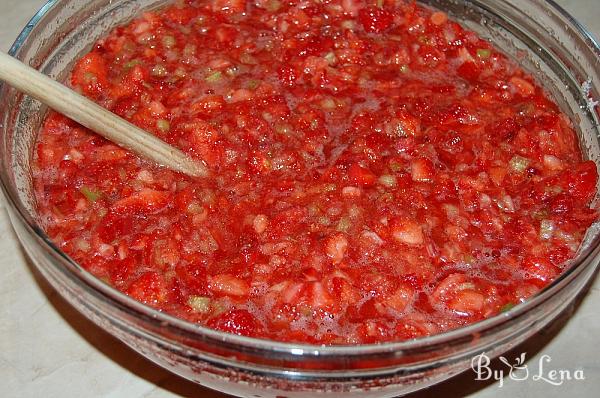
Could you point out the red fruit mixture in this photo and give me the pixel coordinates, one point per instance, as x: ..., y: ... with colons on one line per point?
x: 379, y: 172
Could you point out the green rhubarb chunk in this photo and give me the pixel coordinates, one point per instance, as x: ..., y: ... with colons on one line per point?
x: 91, y: 194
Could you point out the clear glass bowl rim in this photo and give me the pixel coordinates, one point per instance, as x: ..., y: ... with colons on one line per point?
x: 97, y: 287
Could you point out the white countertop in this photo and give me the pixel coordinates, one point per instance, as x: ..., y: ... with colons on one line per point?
x: 47, y: 349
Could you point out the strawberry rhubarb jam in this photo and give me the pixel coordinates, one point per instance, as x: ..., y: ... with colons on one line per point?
x: 378, y: 172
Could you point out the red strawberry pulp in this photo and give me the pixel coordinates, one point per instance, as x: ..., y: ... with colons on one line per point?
x: 379, y: 173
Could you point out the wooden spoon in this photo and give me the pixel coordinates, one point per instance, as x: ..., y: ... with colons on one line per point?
x: 93, y: 116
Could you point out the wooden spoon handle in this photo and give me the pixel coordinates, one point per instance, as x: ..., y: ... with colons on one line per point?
x: 93, y: 116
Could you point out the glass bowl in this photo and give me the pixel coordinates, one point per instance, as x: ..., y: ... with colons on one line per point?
x: 541, y: 36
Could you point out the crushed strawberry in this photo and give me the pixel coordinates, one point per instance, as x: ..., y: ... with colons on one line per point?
x: 378, y: 173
